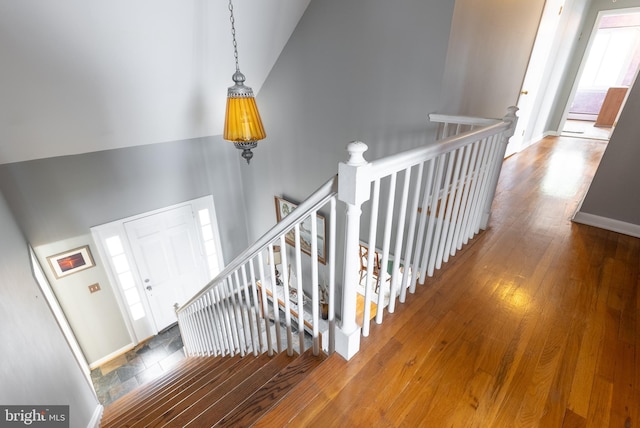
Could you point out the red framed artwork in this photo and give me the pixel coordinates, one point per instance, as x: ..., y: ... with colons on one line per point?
x: 70, y: 262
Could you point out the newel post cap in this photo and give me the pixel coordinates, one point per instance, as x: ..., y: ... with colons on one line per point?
x: 511, y: 114
x: 356, y: 150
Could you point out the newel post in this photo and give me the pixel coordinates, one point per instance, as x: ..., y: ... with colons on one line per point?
x: 512, y: 119
x: 354, y: 188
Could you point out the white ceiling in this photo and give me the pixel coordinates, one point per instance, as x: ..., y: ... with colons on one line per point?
x: 85, y: 75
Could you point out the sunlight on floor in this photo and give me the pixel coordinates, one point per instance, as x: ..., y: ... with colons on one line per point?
x: 564, y: 173
x: 585, y: 129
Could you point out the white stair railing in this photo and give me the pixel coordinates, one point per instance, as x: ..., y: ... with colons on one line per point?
x: 420, y: 207
x: 240, y: 310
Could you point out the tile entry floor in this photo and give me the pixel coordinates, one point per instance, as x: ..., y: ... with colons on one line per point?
x: 156, y: 356
x: 145, y: 362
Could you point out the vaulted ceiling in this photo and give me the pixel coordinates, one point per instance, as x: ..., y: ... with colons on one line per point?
x: 85, y: 75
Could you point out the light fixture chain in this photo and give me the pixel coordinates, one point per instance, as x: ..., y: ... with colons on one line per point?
x: 233, y: 34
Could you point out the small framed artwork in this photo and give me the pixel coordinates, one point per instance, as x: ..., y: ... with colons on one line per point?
x: 283, y: 208
x: 71, y: 261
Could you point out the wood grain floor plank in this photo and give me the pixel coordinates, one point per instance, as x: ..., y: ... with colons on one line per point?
x: 600, y: 404
x: 572, y: 420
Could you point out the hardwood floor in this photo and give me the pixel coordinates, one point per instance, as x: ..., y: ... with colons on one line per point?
x: 534, y: 324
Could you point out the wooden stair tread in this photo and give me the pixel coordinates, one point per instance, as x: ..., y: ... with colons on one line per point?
x: 217, y: 403
x: 272, y: 392
x: 186, y: 367
x: 212, y: 391
x: 192, y: 405
x: 180, y: 382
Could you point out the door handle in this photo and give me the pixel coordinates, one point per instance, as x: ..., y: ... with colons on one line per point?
x: 524, y: 92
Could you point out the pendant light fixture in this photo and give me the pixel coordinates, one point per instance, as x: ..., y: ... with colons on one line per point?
x: 242, y: 123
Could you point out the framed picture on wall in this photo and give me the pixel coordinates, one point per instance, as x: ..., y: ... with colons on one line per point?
x: 70, y: 262
x: 283, y: 208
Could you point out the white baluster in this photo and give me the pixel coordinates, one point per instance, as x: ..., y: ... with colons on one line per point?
x: 256, y: 308
x: 314, y: 284
x: 371, y: 243
x: 332, y: 275
x: 265, y: 305
x: 285, y: 295
x: 241, y: 316
x: 476, y: 202
x: 433, y: 208
x: 274, y: 299
x: 446, y: 206
x: 397, y: 250
x: 462, y: 164
x: 391, y: 197
x: 298, y: 259
x: 408, y: 271
x: 468, y: 201
x: 417, y: 256
x: 250, y: 321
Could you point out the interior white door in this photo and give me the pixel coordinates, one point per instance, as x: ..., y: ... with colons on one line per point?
x: 538, y: 61
x: 166, y: 252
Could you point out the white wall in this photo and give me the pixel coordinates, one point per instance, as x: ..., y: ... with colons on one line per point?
x: 37, y: 364
x: 489, y: 49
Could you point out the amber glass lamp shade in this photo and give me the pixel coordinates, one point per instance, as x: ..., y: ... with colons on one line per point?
x: 242, y: 123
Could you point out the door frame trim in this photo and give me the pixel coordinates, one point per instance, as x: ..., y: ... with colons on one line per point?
x: 139, y: 331
x: 583, y: 62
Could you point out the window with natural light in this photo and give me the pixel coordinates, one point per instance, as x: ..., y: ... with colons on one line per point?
x: 210, y: 248
x: 125, y: 277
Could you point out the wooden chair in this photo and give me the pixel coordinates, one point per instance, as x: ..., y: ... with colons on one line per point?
x: 364, y: 259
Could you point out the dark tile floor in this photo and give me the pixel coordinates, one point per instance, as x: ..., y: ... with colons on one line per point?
x: 153, y: 358
x: 142, y: 364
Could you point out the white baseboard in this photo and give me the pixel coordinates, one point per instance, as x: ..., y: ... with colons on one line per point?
x: 97, y: 416
x: 607, y: 224
x: 111, y: 356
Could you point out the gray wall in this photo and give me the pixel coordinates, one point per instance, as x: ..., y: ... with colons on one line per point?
x: 37, y: 364
x: 355, y: 70
x: 489, y: 51
x: 56, y: 201
x: 94, y: 317
x: 62, y: 197
x: 614, y: 191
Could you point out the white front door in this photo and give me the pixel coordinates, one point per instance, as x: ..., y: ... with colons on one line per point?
x: 171, y: 267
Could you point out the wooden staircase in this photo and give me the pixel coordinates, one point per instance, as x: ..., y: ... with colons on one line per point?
x: 212, y: 391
